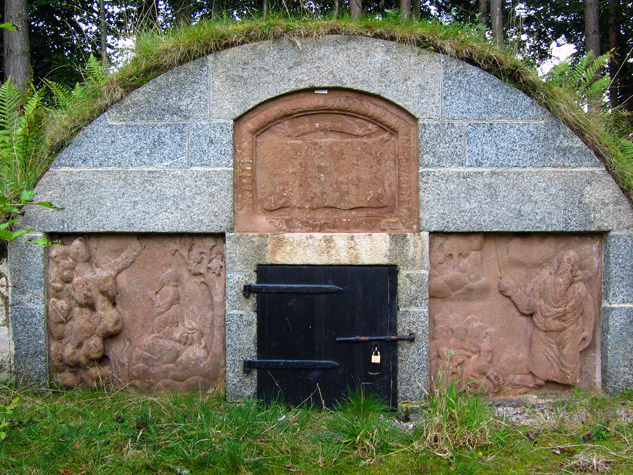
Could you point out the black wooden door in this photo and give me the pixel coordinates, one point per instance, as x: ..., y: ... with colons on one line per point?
x: 305, y: 326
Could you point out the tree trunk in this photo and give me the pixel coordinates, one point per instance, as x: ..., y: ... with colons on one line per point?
x: 592, y: 27
x: 592, y: 37
x: 483, y: 12
x: 496, y: 15
x: 336, y: 7
x: 405, y: 9
x: 356, y: 7
x: 614, y: 46
x: 415, y: 9
x: 16, y: 44
x: 265, y: 7
x: 103, y: 32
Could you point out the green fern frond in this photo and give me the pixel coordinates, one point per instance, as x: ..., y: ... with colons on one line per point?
x: 62, y: 96
x: 22, y: 142
x: 626, y: 147
x: 11, y: 99
x: 95, y: 72
x: 585, y: 80
x: 577, y: 74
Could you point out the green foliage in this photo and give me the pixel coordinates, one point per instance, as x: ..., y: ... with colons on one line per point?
x: 456, y: 418
x: 95, y: 75
x: 24, y: 155
x: 95, y: 431
x: 6, y: 410
x: 361, y: 425
x: 21, y: 152
x: 21, y: 138
x: 587, y: 80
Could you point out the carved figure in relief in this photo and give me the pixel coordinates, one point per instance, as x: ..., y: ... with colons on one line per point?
x: 82, y: 310
x: 332, y: 161
x: 174, y: 345
x: 349, y: 163
x: 176, y: 352
x: 563, y: 314
x: 457, y: 270
x: 462, y: 351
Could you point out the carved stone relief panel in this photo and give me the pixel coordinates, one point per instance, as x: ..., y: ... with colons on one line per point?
x: 326, y: 161
x: 142, y: 311
x: 515, y: 313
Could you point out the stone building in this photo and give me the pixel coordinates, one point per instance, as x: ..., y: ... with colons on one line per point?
x: 439, y: 200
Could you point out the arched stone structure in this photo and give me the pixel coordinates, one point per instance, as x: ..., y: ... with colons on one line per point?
x: 489, y: 158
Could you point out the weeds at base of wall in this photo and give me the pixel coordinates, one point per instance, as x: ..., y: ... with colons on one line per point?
x: 98, y: 431
x: 456, y: 418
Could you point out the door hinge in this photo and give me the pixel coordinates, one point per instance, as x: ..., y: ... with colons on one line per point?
x: 288, y: 364
x: 357, y: 339
x: 290, y: 289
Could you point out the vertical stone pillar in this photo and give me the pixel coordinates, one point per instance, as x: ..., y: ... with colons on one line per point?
x: 243, y: 253
x: 5, y: 340
x: 617, y: 312
x: 27, y: 310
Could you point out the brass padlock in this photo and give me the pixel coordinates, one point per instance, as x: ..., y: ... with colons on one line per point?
x: 375, y: 356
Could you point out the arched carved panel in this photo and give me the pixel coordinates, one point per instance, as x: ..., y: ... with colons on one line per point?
x: 326, y: 161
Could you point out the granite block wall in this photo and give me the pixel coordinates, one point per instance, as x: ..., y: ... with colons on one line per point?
x: 490, y: 159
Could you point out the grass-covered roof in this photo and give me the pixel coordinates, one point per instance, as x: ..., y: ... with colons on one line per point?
x: 157, y: 52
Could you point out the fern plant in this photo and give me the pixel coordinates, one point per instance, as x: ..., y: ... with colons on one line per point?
x: 95, y: 75
x: 21, y: 154
x: 585, y: 80
x: 21, y: 138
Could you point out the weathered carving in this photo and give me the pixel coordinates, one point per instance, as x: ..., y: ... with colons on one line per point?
x: 334, y: 161
x: 148, y: 312
x: 457, y: 271
x: 483, y: 289
x: 462, y: 351
x: 82, y: 310
x: 563, y: 314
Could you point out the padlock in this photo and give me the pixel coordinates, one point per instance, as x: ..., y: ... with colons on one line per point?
x: 375, y: 356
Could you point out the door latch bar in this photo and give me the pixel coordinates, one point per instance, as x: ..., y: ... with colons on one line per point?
x: 290, y: 289
x: 358, y: 339
x: 288, y: 364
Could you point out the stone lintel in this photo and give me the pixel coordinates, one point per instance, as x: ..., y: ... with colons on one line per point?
x: 521, y: 200
x: 409, y: 251
x: 135, y: 200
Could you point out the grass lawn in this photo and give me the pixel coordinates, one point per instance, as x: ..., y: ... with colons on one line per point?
x: 95, y: 431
